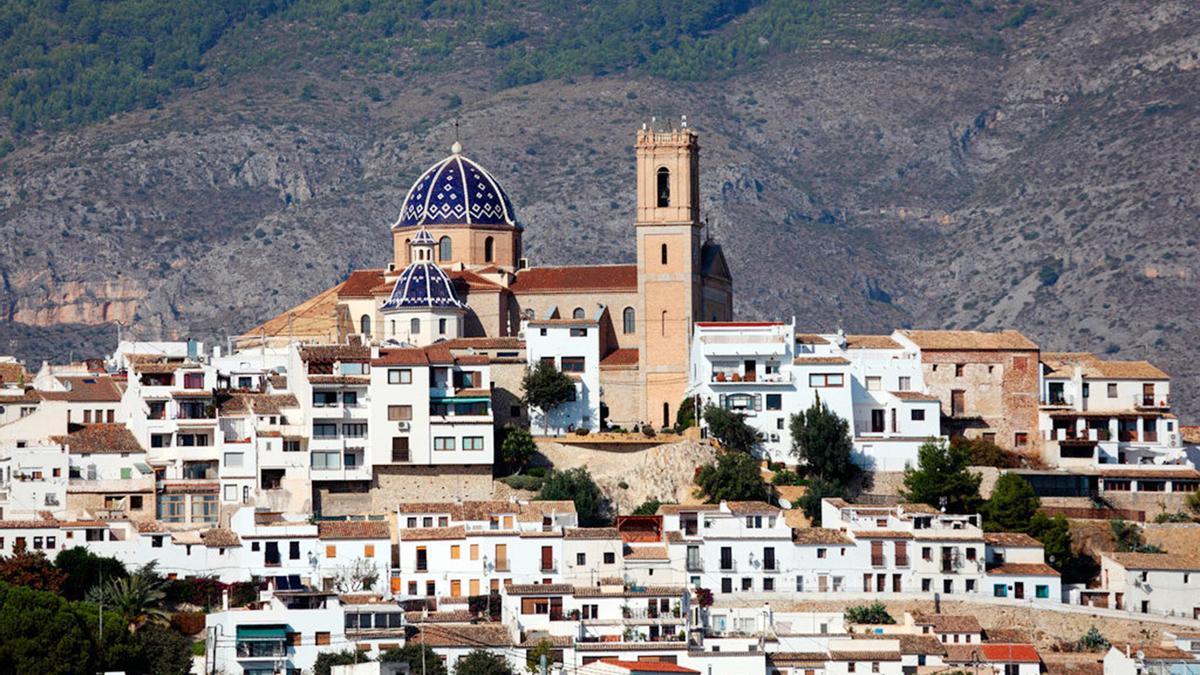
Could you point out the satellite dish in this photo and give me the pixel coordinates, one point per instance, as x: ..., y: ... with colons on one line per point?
x: 1140, y: 655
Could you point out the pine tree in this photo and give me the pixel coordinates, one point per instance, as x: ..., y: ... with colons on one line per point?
x: 1012, y: 505
x: 942, y: 478
x: 821, y: 440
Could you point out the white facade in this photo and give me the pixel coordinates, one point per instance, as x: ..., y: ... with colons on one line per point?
x: 573, y: 347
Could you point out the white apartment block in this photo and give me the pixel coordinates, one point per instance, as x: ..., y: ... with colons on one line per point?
x: 1166, y: 584
x: 574, y: 347
x: 768, y: 372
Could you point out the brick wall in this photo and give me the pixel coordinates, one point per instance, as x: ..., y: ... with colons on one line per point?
x: 1000, y: 393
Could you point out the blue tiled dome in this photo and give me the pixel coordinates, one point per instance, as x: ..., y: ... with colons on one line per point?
x: 456, y: 191
x: 422, y: 284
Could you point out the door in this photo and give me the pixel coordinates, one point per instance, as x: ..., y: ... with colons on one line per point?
x: 501, y: 557
x: 877, y: 421
x: 547, y: 558
x: 1148, y: 394
x: 726, y: 558
x: 822, y: 583
x: 751, y: 368
x: 1019, y: 590
x: 958, y: 402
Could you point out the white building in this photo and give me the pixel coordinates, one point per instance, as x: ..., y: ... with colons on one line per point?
x: 572, y: 345
x: 1149, y: 583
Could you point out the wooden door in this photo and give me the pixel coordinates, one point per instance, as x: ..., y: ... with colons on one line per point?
x: 1019, y: 590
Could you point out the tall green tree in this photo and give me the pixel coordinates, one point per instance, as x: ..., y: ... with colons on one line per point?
x: 86, y: 570
x: 1012, y: 506
x: 517, y: 448
x: 814, y: 492
x: 482, y: 662
x: 327, y: 660
x: 576, y: 485
x: 138, y: 598
x: 735, y: 476
x: 730, y: 429
x: 943, y: 478
x: 546, y: 388
x: 821, y: 441
x: 419, y: 658
x: 685, y: 417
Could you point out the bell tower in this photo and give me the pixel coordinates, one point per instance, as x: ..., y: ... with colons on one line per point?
x: 668, y: 254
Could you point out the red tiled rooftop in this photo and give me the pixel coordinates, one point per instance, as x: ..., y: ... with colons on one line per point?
x: 360, y: 283
x: 576, y: 278
x: 620, y: 357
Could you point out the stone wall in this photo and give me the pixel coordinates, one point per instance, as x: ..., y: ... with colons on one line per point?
x: 395, y: 484
x: 1000, y: 393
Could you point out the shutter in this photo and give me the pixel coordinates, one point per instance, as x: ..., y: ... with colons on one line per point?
x: 758, y: 402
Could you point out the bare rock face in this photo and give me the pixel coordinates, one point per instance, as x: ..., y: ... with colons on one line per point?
x: 1048, y: 187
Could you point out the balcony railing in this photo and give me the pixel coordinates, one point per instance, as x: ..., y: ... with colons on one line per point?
x: 1147, y: 401
x: 549, y: 565
x: 728, y: 565
x: 261, y: 649
x: 695, y: 565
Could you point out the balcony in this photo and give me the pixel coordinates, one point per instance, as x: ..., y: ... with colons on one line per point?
x: 1150, y: 402
x: 695, y: 564
x: 728, y: 565
x: 261, y: 649
x: 1059, y: 399
x: 550, y: 565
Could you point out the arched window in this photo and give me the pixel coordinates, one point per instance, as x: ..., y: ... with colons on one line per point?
x: 666, y: 415
x: 630, y: 321
x: 393, y: 322
x: 364, y: 324
x: 441, y: 326
x: 414, y: 327
x: 664, y: 187
x: 408, y: 249
x: 489, y: 249
x: 578, y: 313
x: 664, y: 254
x: 445, y: 252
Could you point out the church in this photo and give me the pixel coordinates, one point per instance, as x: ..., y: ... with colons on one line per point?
x: 458, y: 275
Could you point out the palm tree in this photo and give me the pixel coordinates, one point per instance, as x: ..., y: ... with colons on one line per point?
x: 138, y: 598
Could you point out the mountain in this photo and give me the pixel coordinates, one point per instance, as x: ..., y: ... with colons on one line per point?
x: 866, y: 164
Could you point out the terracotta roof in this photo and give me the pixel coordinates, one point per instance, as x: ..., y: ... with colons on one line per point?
x: 85, y: 389
x: 637, y: 667
x: 464, y: 635
x: 539, y: 589
x: 819, y: 535
x: 12, y: 373
x: 486, y: 343
x: 639, y: 592
x: 1009, y: 653
x: 913, y: 396
x: 411, y: 356
x: 353, y: 529
x: 949, y: 623
x: 219, y: 537
x: 1073, y: 664
x: 909, y: 643
x: 533, y: 639
x: 676, y: 509
x: 871, y: 342
x: 955, y: 340
x: 430, y: 533
x: 259, y: 404
x: 28, y: 524
x: 647, y: 553
x: 1023, y: 569
x: 576, y: 278
x: 27, y: 395
x: 331, y: 353
x: 620, y: 358
x: 752, y: 508
x: 1172, y: 562
x: 360, y: 283
x: 1062, y: 364
x: 1153, y: 652
x: 485, y: 509
x: 881, y: 534
x: 313, y: 318
x: 819, y: 360
x: 451, y: 616
x: 591, y: 533
x: 473, y: 281
x: 810, y: 339
x: 534, y: 511
x: 865, y: 656
x: 798, y: 658
x: 95, y: 439
x: 156, y: 367
x: 1011, y: 539
x: 1191, y: 434
x: 1164, y: 472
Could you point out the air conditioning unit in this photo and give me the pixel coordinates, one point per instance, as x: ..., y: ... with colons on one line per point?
x: 402, y: 426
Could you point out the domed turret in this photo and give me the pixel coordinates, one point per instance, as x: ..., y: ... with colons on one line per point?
x: 456, y: 191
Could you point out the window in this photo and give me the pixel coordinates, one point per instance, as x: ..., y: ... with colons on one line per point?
x: 445, y: 249
x: 324, y: 399
x: 850, y: 667
x: 572, y: 364
x: 472, y: 443
x: 581, y: 559
x: 579, y: 332
x: 959, y: 369
x: 918, y: 415
x: 354, y: 430
x: 399, y: 413
x: 610, y: 558
x: 293, y: 550
x: 399, y: 376
x: 232, y: 459
x: 825, y: 380
x: 999, y: 591
x: 663, y: 254
x: 414, y: 327
x: 768, y: 584
x: 774, y: 401
x: 1020, y: 439
x: 874, y: 383
x: 321, y: 638
x: 822, y: 553
x: 1112, y: 389
x: 726, y: 585
x: 629, y: 321
x: 577, y: 313
x: 364, y: 325
x: 231, y: 493
x: 170, y: 508
x: 324, y: 430
x: 327, y: 459
x: 455, y: 552
x: 663, y: 194
x: 291, y: 446
x: 905, y: 383
x: 441, y: 326
x: 489, y: 249
x: 443, y: 443
x: 926, y: 553
x: 204, y: 508
x: 1042, y: 591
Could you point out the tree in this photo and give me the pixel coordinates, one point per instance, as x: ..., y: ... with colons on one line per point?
x: 533, y: 657
x: 546, y: 388
x: 942, y: 475
x: 1092, y: 641
x: 138, y: 598
x: 1012, y: 506
x: 821, y: 441
x: 164, y: 652
x: 730, y: 429
x: 414, y: 654
x: 986, y: 453
x: 481, y: 662
x: 734, y: 477
x: 577, y: 486
x: 647, y: 508
x: 685, y: 416
x: 874, y: 613
x: 85, y: 569
x: 1129, y: 538
x: 517, y: 448
x: 361, y: 575
x: 327, y: 660
x: 34, y: 570
x: 814, y: 492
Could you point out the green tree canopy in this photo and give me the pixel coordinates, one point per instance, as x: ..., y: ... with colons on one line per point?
x: 814, y: 492
x: 821, y: 441
x: 1129, y: 537
x: 517, y: 448
x: 874, y: 613
x: 546, y: 388
x: 685, y: 417
x: 415, y: 655
x: 327, y: 660
x: 577, y: 486
x: 735, y: 476
x: 138, y: 598
x: 647, y: 508
x: 482, y: 662
x: 730, y: 429
x: 85, y: 570
x: 943, y: 474
x: 1012, y: 506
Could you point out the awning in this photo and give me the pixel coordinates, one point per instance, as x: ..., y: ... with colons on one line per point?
x: 272, y: 632
x: 143, y: 468
x: 463, y: 399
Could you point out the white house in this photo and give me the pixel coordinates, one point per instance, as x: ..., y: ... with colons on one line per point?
x: 1151, y: 583
x: 573, y: 346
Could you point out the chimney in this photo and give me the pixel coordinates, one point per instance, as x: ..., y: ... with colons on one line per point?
x: 225, y: 600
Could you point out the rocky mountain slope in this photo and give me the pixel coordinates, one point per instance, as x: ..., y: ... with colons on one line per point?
x: 939, y: 168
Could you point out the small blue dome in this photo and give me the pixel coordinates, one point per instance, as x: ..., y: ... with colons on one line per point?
x: 422, y: 285
x: 456, y: 191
